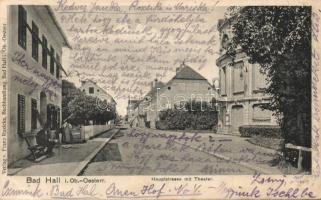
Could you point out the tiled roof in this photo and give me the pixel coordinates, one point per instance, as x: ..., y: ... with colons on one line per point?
x: 186, y: 72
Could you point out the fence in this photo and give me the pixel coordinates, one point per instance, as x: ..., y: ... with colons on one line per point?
x: 93, y: 130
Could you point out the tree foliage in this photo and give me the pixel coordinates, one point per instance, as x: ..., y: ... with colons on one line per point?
x: 69, y: 92
x: 279, y: 39
x: 83, y: 107
x: 195, y: 115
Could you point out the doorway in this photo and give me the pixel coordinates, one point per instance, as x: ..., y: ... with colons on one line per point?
x: 43, y: 108
x: 236, y: 118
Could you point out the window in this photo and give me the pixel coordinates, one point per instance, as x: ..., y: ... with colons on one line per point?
x: 21, y: 114
x: 58, y: 66
x: 54, y: 118
x: 261, y: 115
x: 35, y: 44
x: 58, y: 117
x: 223, y: 81
x: 225, y: 41
x: 50, y: 116
x: 238, y: 77
x: 44, y: 52
x: 22, y: 27
x: 52, y: 61
x: 91, y: 90
x: 33, y: 114
x: 258, y: 79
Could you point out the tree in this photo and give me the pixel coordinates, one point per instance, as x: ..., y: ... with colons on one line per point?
x: 279, y: 39
x: 85, y: 108
x: 80, y: 108
x: 69, y: 92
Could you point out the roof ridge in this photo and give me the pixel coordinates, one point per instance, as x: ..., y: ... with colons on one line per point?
x: 187, y: 72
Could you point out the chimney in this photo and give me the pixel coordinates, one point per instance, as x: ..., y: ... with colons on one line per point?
x: 180, y: 67
x: 83, y: 83
x: 153, y: 83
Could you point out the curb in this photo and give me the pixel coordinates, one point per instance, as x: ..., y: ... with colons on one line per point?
x: 83, y: 164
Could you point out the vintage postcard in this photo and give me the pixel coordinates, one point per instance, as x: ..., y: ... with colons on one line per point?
x: 160, y: 99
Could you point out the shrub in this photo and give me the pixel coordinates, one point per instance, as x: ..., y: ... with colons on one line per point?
x: 162, y: 125
x: 267, y: 131
x: 172, y: 119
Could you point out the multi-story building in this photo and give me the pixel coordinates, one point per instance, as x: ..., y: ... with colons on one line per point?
x: 241, y: 88
x: 34, y: 50
x: 185, y: 86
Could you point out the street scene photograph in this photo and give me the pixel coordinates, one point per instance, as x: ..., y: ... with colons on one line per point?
x: 159, y: 89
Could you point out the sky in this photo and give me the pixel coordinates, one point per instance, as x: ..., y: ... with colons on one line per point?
x: 209, y: 70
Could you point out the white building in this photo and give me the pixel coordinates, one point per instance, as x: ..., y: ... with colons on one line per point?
x: 241, y: 90
x: 34, y: 50
x: 185, y: 86
x: 91, y: 88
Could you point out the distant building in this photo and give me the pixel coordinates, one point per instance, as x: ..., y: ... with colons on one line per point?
x: 185, y: 86
x: 132, y: 104
x: 34, y: 50
x: 91, y: 88
x: 241, y: 88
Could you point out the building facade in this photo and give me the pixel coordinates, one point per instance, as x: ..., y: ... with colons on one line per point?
x: 185, y: 86
x: 241, y: 87
x: 91, y: 88
x: 34, y: 50
x: 131, y: 106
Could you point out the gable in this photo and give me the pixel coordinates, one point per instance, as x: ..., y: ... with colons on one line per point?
x: 187, y: 72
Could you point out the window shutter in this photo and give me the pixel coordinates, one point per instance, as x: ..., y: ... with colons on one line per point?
x: 52, y: 62
x: 33, y: 114
x: 44, y: 52
x: 35, y: 43
x: 49, y: 116
x: 22, y: 28
x: 21, y: 114
x: 58, y: 66
x: 58, y: 117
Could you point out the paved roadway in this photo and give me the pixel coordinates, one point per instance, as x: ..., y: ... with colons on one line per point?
x: 153, y: 152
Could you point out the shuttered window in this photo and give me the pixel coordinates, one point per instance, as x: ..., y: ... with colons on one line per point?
x: 33, y: 114
x: 21, y: 114
x: 35, y: 43
x: 22, y: 28
x: 44, y: 52
x: 54, y: 118
x: 52, y: 61
x: 57, y: 66
x: 58, y: 117
x: 49, y: 116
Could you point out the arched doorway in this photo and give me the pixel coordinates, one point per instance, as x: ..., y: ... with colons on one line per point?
x: 43, y: 108
x: 236, y: 118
